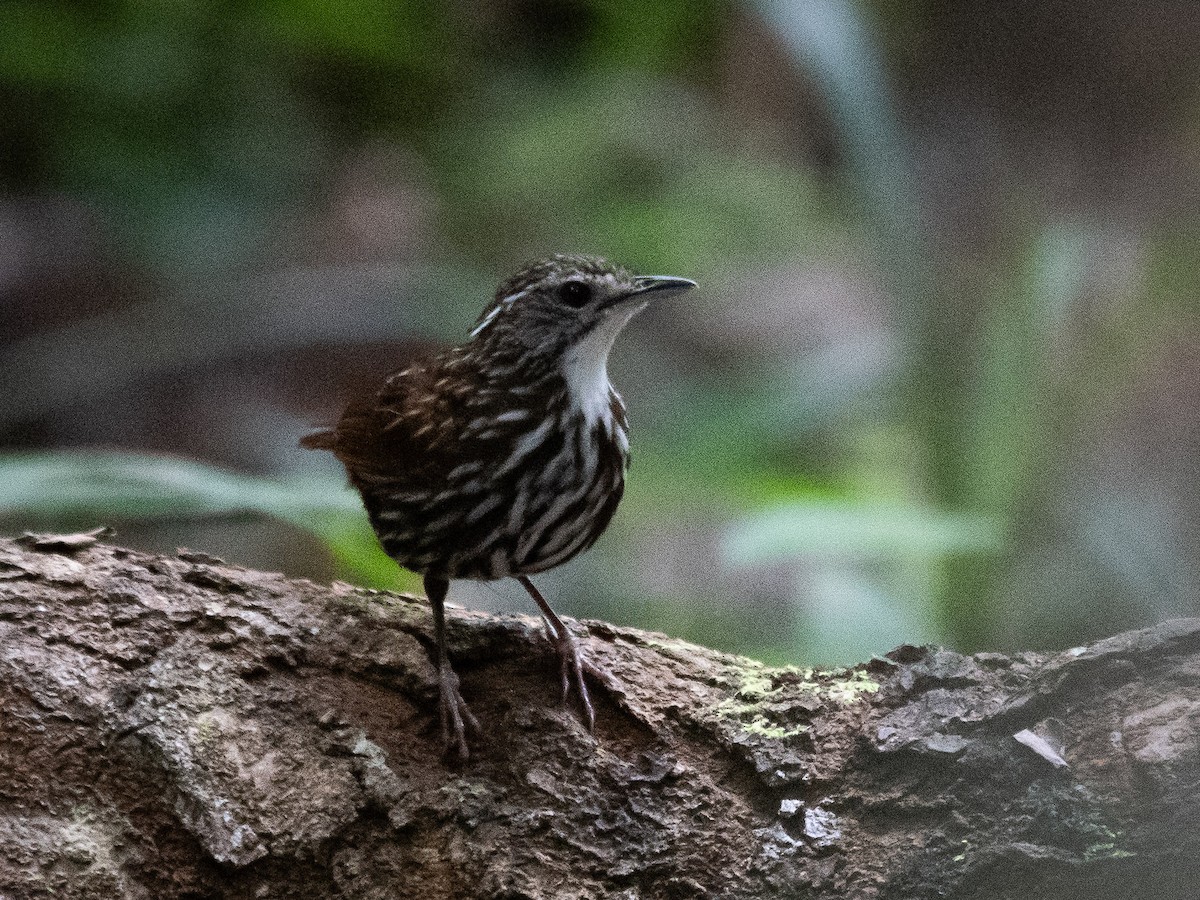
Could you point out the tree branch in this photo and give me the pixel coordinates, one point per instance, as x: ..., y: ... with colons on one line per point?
x: 178, y: 727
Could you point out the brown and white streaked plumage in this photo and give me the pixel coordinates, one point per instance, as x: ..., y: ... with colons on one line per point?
x: 505, y: 456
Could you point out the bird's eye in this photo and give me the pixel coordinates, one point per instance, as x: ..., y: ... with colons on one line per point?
x: 574, y: 293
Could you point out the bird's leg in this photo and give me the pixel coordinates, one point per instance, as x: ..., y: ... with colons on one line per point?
x: 455, y: 715
x: 564, y: 641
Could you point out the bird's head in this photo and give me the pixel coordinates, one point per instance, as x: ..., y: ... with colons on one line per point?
x: 565, y: 302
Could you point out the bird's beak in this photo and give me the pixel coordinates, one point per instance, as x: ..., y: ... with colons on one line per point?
x: 662, y: 285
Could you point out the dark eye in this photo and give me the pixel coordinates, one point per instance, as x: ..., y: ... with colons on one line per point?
x: 574, y: 293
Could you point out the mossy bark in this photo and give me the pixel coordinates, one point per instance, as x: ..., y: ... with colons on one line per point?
x: 178, y: 727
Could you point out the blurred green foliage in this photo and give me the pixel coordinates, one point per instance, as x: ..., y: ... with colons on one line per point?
x: 195, y: 128
x: 79, y: 489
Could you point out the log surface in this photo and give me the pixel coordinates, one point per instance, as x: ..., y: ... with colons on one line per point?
x: 175, y: 727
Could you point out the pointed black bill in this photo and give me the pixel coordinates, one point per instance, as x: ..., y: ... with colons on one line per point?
x: 660, y: 285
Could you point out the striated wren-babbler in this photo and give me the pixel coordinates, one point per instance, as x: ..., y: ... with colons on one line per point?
x: 505, y: 456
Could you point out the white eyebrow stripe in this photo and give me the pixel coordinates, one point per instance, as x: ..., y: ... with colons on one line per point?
x: 487, y: 320
x: 503, y: 304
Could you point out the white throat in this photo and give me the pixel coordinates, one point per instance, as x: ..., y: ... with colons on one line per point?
x: 585, y: 368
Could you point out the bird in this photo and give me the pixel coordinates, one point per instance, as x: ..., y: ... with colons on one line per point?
x: 503, y: 456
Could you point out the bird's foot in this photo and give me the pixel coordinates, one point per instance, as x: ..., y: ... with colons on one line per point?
x: 572, y: 669
x: 456, y: 716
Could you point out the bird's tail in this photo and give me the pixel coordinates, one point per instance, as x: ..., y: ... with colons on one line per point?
x: 320, y: 440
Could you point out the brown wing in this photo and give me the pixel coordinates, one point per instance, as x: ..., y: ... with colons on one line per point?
x: 406, y: 433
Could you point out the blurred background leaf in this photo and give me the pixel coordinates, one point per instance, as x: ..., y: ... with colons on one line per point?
x: 59, y: 489
x: 942, y: 382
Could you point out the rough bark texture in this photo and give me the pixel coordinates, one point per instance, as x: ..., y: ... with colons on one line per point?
x: 178, y: 727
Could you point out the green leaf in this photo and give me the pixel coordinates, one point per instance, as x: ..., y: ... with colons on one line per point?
x: 120, y: 486
x: 1017, y: 402
x: 899, y: 531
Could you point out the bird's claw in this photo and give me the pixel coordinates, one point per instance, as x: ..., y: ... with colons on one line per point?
x: 572, y: 669
x: 456, y: 716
